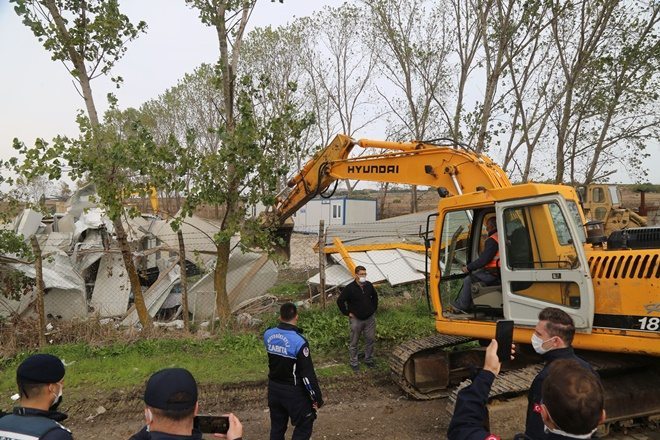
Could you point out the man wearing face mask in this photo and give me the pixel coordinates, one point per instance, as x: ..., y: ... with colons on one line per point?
x: 572, y: 407
x: 170, y: 400
x: 359, y: 302
x: 552, y: 339
x: 39, y: 380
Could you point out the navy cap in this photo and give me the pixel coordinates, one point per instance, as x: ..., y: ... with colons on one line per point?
x: 171, y: 389
x: 40, y: 368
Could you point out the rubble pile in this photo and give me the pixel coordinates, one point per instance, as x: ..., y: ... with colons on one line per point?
x: 84, y: 274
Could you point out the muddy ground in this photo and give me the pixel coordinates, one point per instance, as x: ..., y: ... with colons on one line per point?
x: 363, y: 406
x: 367, y: 406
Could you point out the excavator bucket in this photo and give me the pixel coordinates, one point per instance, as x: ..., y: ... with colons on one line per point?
x: 283, y: 237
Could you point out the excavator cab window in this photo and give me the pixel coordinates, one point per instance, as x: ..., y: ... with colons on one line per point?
x: 538, y: 238
x: 598, y: 195
x: 454, y: 243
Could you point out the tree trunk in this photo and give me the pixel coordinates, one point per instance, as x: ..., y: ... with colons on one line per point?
x: 563, y: 133
x: 413, y: 199
x: 220, y: 282
x: 76, y: 59
x: 381, y: 208
x: 126, y: 254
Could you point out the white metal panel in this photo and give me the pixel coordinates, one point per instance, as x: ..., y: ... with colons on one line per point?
x: 394, y: 266
x: 335, y: 275
x: 374, y: 273
x: 415, y: 259
x: 360, y: 211
x: 68, y: 304
x: 112, y: 287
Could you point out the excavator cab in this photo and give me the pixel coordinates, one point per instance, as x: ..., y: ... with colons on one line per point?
x: 541, y: 257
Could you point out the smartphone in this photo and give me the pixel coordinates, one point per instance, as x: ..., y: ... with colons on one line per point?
x: 504, y: 338
x: 212, y: 424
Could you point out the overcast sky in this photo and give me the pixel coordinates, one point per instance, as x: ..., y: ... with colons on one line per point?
x: 37, y: 97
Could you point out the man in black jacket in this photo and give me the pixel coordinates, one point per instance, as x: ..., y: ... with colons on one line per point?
x: 170, y: 399
x: 552, y: 339
x: 40, y: 382
x: 293, y: 390
x: 359, y: 302
x: 572, y: 407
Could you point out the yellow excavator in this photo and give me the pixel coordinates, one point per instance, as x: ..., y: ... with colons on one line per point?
x: 549, y: 257
x: 603, y: 202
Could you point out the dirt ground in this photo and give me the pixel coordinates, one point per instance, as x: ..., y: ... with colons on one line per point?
x: 367, y: 406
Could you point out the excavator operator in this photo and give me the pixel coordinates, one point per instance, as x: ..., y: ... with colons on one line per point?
x: 485, y: 269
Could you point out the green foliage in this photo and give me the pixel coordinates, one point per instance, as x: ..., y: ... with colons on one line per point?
x: 120, y: 157
x: 96, y: 28
x: 289, y: 289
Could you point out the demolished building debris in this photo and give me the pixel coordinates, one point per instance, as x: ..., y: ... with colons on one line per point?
x: 84, y: 273
x: 391, y: 250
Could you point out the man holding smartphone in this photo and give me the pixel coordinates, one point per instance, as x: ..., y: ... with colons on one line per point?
x: 170, y: 400
x: 293, y: 390
x: 572, y: 407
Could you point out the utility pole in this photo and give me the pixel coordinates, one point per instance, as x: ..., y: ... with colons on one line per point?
x: 38, y: 270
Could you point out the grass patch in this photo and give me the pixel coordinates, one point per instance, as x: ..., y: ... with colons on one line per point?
x: 289, y: 289
x: 226, y: 358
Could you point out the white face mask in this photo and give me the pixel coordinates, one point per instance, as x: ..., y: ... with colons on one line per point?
x: 148, y: 417
x: 537, y: 343
x: 558, y: 431
x: 58, y: 399
x: 363, y: 280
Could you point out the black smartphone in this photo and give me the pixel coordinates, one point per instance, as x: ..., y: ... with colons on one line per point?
x: 212, y: 424
x: 504, y: 338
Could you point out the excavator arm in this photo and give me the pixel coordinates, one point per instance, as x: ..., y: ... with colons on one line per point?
x: 415, y: 163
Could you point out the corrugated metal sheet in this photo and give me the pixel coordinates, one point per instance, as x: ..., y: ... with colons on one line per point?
x: 362, y: 259
x: 402, y: 229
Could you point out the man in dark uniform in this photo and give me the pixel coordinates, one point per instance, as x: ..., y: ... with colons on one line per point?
x: 170, y: 400
x: 573, y: 402
x: 293, y: 390
x: 39, y: 380
x: 552, y: 339
x: 485, y: 269
x: 359, y: 301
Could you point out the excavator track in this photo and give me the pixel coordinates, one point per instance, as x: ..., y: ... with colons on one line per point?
x: 421, y: 367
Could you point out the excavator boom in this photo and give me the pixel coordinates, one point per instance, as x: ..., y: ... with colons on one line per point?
x: 415, y: 163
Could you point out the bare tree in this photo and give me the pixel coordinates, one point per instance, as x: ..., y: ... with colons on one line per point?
x: 414, y: 43
x: 339, y: 64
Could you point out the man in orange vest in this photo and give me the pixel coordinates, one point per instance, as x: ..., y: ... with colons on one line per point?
x: 489, y: 263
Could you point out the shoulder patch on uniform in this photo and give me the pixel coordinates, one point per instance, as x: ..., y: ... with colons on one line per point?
x: 306, y: 351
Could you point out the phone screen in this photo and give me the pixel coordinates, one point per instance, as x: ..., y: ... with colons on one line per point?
x: 212, y: 424
x: 504, y: 338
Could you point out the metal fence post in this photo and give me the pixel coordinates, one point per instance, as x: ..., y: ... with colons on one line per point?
x: 322, y: 262
x: 184, y: 280
x: 38, y: 269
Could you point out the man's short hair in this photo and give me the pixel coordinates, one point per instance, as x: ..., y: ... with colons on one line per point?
x: 172, y: 393
x: 30, y: 390
x: 288, y: 311
x: 359, y: 268
x: 573, y: 396
x: 558, y: 323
